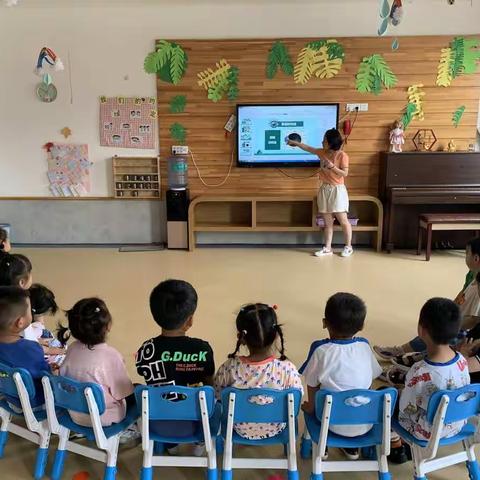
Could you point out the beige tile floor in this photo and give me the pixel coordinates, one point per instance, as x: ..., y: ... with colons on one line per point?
x: 393, y: 286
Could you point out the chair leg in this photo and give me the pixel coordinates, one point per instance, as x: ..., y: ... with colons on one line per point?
x: 383, y: 473
x: 212, y: 472
x: 112, y: 453
x: 472, y: 464
x: 42, y: 453
x: 147, y: 470
x: 306, y: 446
x: 316, y: 463
x: 61, y: 453
x: 417, y: 461
x: 292, y: 462
x: 6, y: 419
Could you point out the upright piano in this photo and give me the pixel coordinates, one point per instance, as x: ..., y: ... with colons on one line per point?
x: 425, y: 182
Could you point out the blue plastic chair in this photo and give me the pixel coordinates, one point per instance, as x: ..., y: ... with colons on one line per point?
x: 238, y: 407
x: 194, y: 406
x: 351, y: 407
x: 447, y: 406
x: 63, y: 395
x: 18, y: 400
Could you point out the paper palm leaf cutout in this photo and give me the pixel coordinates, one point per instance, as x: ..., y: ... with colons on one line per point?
x: 471, y: 55
x: 460, y: 58
x: 457, y: 115
x: 304, y: 67
x: 210, y: 78
x: 324, y: 67
x: 220, y: 82
x: 168, y: 60
x: 278, y: 56
x: 444, y: 70
x: 407, y: 117
x: 415, y: 97
x: 178, y: 103
x: 373, y: 74
x: 178, y: 132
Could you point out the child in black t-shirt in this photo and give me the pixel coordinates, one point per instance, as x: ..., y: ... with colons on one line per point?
x: 173, y: 358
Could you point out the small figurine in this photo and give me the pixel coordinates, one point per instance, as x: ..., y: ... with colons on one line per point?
x: 397, y: 138
x: 451, y: 147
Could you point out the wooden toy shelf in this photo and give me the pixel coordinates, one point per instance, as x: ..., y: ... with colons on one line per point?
x: 249, y: 213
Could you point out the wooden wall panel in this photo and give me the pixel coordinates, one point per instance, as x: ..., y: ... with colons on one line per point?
x: 415, y: 62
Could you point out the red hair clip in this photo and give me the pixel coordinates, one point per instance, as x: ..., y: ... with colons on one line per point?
x: 274, y: 306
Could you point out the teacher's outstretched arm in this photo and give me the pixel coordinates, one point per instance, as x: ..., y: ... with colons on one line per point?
x: 307, y: 148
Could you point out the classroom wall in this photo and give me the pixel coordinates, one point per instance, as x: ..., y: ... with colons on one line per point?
x: 105, y: 42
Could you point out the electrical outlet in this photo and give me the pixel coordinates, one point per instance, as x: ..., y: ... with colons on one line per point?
x: 359, y: 107
x: 180, y: 149
x: 230, y: 125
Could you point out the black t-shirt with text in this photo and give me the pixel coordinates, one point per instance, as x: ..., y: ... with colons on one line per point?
x: 182, y: 361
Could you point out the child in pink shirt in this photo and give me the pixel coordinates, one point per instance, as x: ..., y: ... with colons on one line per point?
x: 90, y: 359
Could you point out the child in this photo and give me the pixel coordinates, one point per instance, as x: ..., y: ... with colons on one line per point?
x: 258, y: 330
x: 333, y: 196
x: 468, y: 300
x: 43, y: 303
x: 5, y: 246
x: 15, y: 351
x: 90, y: 359
x: 442, y: 369
x: 173, y: 358
x: 341, y: 362
x: 15, y: 270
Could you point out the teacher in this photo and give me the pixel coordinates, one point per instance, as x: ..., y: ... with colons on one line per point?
x: 332, y: 199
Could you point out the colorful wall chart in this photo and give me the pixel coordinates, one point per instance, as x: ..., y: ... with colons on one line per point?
x: 128, y: 122
x: 68, y: 169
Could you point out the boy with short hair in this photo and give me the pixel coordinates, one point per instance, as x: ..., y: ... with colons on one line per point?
x: 15, y: 351
x: 468, y: 300
x: 442, y: 369
x: 173, y: 358
x: 341, y: 362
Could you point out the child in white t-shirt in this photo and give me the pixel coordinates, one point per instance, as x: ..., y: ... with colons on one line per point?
x: 442, y: 369
x: 341, y: 362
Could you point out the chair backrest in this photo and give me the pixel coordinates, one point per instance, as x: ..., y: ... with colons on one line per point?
x: 70, y: 394
x: 261, y: 405
x: 355, y: 407
x: 172, y: 402
x: 464, y: 403
x: 7, y: 383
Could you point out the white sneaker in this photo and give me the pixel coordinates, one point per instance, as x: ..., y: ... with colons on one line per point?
x: 130, y: 435
x: 388, y: 353
x: 347, y: 251
x: 199, y: 450
x: 324, y: 252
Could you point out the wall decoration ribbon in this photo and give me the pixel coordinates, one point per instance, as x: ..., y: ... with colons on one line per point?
x: 47, y: 55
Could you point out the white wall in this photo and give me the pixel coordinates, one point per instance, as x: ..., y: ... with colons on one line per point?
x: 108, y: 40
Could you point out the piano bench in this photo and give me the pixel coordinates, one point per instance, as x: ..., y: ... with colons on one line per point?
x: 444, y: 221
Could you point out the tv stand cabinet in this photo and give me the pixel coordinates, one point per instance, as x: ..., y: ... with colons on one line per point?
x: 252, y: 213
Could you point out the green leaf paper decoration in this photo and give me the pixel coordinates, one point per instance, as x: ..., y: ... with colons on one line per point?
x: 407, y: 117
x: 178, y: 132
x: 178, y: 103
x: 373, y: 74
x: 457, y: 115
x: 232, y: 92
x: 169, y: 61
x: 278, y: 56
x: 471, y: 55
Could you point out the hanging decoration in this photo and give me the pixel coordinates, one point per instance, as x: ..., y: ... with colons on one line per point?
x: 46, y: 91
x: 169, y: 61
x: 374, y: 74
x: 395, y: 44
x: 396, y: 13
x: 48, y: 56
x: 322, y: 58
x: 178, y: 132
x: 178, y: 103
x: 461, y: 57
x: 457, y: 115
x: 223, y: 81
x: 415, y: 97
x: 384, y: 13
x: 278, y: 56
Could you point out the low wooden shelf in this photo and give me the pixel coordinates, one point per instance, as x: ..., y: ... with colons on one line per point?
x: 250, y: 213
